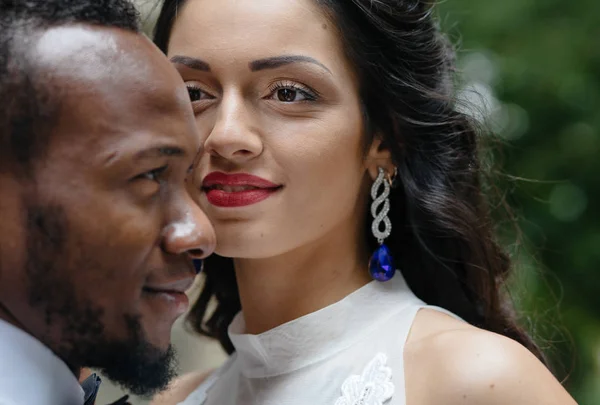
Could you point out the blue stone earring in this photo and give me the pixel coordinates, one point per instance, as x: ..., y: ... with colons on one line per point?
x: 381, y: 265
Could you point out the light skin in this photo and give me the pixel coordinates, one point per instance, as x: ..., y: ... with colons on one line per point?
x: 300, y: 146
x: 116, y: 168
x: 303, y: 248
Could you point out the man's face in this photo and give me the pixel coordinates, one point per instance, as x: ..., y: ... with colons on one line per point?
x: 96, y: 245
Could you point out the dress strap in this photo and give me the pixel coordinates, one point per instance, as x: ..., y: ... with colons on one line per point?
x: 410, y: 316
x: 445, y: 311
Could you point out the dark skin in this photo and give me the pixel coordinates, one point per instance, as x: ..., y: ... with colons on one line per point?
x: 114, y: 178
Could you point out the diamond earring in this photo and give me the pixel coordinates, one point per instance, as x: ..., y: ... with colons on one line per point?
x: 381, y: 265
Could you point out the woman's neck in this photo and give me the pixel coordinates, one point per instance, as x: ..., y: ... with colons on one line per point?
x: 276, y: 290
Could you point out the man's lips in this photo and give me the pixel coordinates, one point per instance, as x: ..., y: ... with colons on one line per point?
x: 167, y: 298
x: 173, y: 287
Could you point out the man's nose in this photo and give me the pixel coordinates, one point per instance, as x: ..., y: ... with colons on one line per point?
x: 190, y: 233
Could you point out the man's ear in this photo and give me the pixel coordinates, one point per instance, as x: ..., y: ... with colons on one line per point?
x: 379, y: 156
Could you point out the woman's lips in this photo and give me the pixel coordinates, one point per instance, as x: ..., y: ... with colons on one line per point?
x: 222, y: 198
x: 237, y: 190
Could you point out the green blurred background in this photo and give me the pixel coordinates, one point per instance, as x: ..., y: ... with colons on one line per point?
x: 533, y: 68
x: 536, y: 65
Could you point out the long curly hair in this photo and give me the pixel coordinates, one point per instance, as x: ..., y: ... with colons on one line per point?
x: 444, y: 236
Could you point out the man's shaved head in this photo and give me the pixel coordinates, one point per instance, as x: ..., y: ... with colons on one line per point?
x: 29, y: 105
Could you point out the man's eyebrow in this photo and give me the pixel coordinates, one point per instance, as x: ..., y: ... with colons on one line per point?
x: 277, y: 61
x: 192, y: 63
x: 159, y: 151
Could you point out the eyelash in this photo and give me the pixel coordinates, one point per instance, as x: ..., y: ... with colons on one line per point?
x: 307, y: 92
x: 191, y: 87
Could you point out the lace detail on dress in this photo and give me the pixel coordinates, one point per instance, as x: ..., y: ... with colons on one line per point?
x: 372, y: 387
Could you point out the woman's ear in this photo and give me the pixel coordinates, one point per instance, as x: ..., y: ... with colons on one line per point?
x: 379, y: 156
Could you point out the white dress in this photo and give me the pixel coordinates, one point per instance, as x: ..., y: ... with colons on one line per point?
x: 349, y: 353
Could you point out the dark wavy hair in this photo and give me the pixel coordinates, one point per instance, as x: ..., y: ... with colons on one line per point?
x: 444, y: 235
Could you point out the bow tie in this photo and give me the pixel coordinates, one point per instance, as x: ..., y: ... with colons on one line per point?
x: 91, y: 385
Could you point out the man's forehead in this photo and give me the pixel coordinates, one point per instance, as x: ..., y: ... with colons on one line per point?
x: 83, y: 60
x: 90, y: 52
x: 112, y: 83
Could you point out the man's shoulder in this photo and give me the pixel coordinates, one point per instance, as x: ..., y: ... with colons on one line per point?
x: 31, y: 373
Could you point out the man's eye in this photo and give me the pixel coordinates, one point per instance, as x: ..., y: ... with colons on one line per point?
x: 154, y: 174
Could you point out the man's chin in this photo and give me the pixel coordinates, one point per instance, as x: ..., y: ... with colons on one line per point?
x: 144, y: 370
x: 136, y: 363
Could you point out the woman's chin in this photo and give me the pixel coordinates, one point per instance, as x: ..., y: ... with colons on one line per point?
x: 247, y: 248
x: 242, y: 240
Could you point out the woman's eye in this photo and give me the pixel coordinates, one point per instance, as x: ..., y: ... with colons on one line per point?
x: 291, y: 93
x: 197, y: 94
x: 194, y: 93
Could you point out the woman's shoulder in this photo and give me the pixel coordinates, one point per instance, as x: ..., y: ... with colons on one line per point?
x: 181, y: 388
x: 449, y: 361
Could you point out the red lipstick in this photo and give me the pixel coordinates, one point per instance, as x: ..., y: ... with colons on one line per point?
x: 237, y: 190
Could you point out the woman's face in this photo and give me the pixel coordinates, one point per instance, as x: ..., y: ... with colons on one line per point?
x: 277, y: 105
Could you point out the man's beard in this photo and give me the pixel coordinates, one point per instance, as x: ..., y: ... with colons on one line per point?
x: 54, y: 254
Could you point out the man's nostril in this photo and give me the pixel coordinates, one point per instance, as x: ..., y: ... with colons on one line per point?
x: 196, y: 253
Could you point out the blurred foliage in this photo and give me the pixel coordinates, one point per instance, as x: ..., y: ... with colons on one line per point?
x: 537, y: 65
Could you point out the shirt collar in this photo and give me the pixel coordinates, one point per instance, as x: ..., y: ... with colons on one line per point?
x: 321, y: 334
x: 32, y: 374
